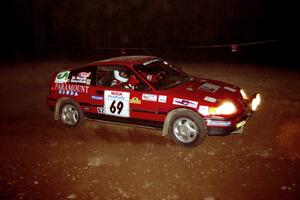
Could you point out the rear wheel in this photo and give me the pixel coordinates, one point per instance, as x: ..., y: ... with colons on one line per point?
x: 187, y: 128
x: 70, y: 113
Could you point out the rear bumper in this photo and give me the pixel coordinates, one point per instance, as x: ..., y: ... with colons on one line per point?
x: 51, y: 102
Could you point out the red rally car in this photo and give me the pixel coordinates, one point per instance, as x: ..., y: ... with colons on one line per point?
x: 147, y: 91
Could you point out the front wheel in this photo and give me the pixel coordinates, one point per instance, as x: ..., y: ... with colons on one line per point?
x: 187, y: 128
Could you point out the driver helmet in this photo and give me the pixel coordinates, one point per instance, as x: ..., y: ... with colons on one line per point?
x: 121, y: 76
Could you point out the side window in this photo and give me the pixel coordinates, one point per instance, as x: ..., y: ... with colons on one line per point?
x: 119, y: 77
x: 104, y: 76
x: 83, y: 76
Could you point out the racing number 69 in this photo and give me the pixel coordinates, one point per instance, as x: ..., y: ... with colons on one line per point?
x: 119, y: 106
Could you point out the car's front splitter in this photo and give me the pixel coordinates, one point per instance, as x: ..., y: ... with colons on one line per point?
x: 226, y: 127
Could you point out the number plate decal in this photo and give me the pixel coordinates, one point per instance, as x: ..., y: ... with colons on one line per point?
x: 116, y: 103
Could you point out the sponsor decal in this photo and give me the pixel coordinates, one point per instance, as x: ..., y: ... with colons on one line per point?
x: 135, y: 100
x: 72, y: 87
x: 151, y: 61
x: 230, y: 89
x: 185, y: 102
x: 149, y: 97
x: 100, y: 110
x: 209, y: 87
x: 203, y: 110
x: 76, y: 80
x: 97, y: 98
x: 88, y: 81
x: 62, y: 77
x: 81, y: 78
x: 210, y: 99
x: 84, y: 74
x: 218, y: 123
x: 68, y: 92
x: 162, y: 99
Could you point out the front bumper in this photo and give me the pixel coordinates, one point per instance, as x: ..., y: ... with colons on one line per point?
x: 219, y: 127
x: 227, y: 130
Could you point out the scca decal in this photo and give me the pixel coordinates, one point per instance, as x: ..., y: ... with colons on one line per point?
x: 116, y: 95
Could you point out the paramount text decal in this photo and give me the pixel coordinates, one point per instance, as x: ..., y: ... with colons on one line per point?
x: 71, y: 87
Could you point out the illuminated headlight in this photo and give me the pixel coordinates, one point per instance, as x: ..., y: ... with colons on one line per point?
x: 255, y: 102
x: 226, y: 108
x: 243, y: 93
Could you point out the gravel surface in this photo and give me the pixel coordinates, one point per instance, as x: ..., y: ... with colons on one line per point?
x: 42, y: 159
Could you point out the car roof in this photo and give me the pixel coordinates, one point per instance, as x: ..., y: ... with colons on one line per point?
x: 125, y: 60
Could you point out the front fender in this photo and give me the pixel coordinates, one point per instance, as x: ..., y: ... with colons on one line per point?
x: 167, y: 120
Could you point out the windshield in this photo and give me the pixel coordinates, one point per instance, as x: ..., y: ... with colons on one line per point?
x: 161, y: 75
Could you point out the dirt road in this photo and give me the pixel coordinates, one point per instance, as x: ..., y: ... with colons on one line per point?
x: 41, y: 159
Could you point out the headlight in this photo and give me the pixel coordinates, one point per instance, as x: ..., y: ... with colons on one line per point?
x: 243, y: 93
x: 255, y: 102
x: 226, y: 108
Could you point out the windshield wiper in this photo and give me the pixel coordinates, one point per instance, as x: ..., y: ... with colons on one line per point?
x: 188, y: 78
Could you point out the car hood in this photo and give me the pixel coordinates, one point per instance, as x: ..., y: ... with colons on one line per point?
x: 206, y: 90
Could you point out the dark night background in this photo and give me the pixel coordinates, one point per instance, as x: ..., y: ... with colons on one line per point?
x: 32, y: 27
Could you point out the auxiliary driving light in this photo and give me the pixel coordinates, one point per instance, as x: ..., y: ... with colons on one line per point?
x: 255, y: 102
x: 243, y: 93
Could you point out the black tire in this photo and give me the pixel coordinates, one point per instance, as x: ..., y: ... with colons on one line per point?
x: 70, y: 113
x: 187, y: 128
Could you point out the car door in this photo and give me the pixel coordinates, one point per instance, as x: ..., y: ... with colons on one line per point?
x: 139, y: 103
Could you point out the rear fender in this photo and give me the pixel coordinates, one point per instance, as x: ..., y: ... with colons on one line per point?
x: 58, y: 104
